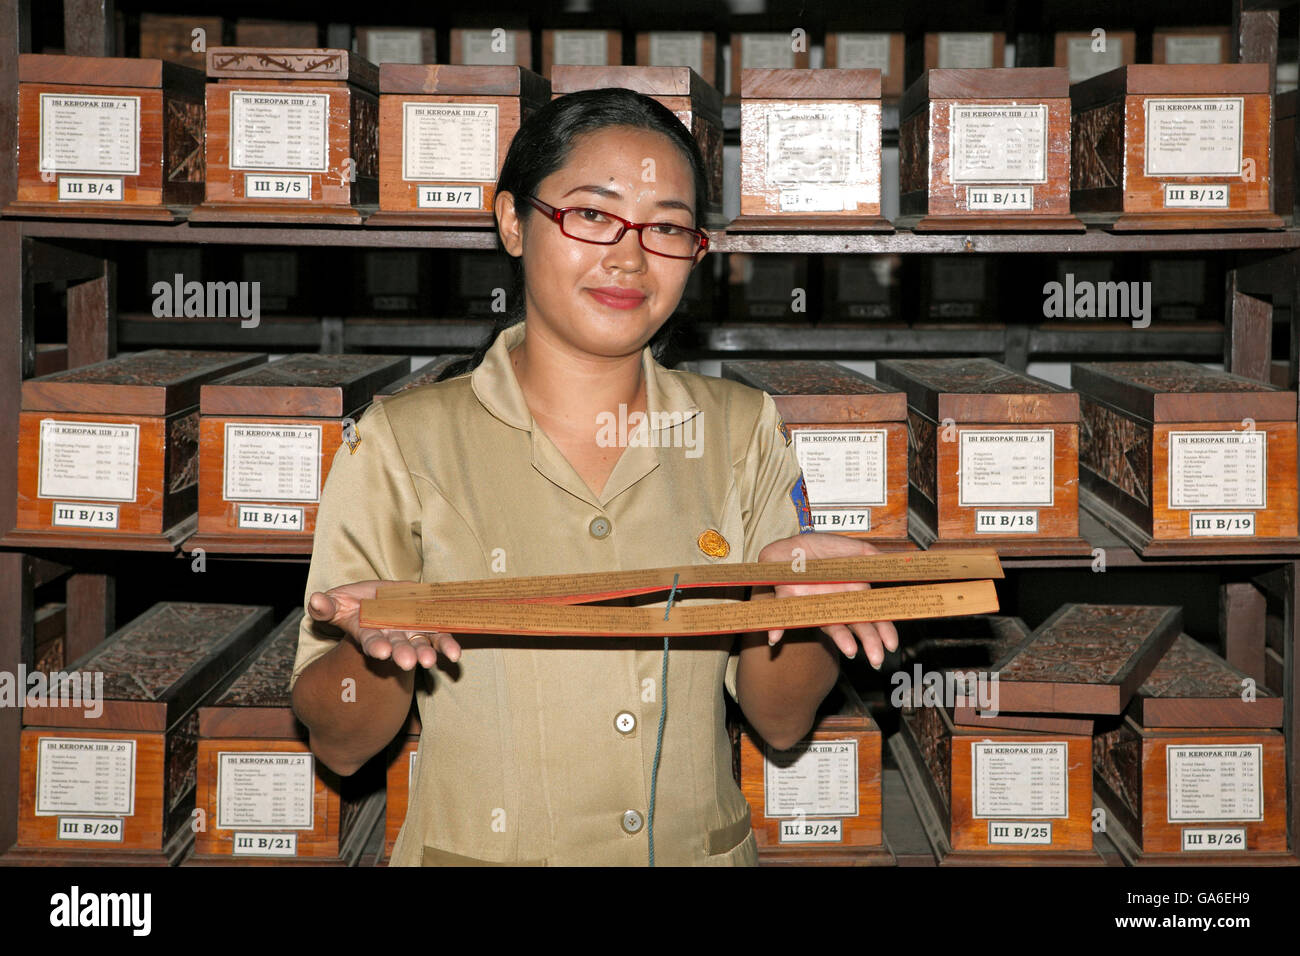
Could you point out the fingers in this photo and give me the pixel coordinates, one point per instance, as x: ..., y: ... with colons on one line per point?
x: 406, y: 649
x: 321, y: 606
x: 875, y: 637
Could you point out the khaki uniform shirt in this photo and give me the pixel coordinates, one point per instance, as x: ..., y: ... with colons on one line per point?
x: 539, y: 750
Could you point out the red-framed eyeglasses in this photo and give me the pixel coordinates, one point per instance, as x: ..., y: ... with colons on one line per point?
x: 602, y: 228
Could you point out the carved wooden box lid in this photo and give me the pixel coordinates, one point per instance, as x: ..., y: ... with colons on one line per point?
x: 821, y: 392
x: 156, y: 382
x: 1176, y: 391
x: 424, y: 375
x: 1020, y: 83
x: 978, y: 390
x: 650, y: 80
x: 461, y: 80
x: 258, y: 703
x: 1086, y: 658
x: 305, y: 385
x: 108, y: 71
x: 1164, y: 79
x: 292, y: 64
x: 160, y: 665
x: 1192, y: 686
x: 822, y: 84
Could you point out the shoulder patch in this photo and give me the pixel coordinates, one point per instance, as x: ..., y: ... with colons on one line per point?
x: 785, y: 432
x: 799, y: 496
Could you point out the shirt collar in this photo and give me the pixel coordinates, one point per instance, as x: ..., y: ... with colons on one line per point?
x: 497, y: 389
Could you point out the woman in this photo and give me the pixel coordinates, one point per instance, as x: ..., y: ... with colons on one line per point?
x: 549, y: 750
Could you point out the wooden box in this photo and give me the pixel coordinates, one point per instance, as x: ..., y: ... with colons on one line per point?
x: 810, y: 151
x: 1174, y: 147
x: 762, y: 287
x: 395, y: 282
x: 292, y: 135
x: 267, y: 438
x: 863, y: 287
x: 107, y: 138
x: 485, y: 46
x: 400, y: 781
x: 265, y: 798
x: 969, y: 50
x: 1180, y: 459
x: 697, y: 49
x: 991, y: 795
x: 993, y: 456
x: 1191, y: 45
x: 695, y: 103
x: 761, y: 50
x: 49, y: 636
x: 382, y: 45
x: 117, y: 786
x: 443, y: 135
x: 171, y: 37
x: 1184, y: 288
x: 580, y: 47
x: 1194, y: 774
x: 1086, y: 56
x: 819, y: 803
x: 986, y: 150
x: 847, y: 50
x: 1085, y: 658
x: 250, y: 31
x: 850, y: 435
x: 108, y: 453
x: 478, y: 282
x: 961, y: 288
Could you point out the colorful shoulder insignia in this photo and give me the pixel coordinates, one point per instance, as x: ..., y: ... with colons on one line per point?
x: 799, y: 495
x: 785, y: 432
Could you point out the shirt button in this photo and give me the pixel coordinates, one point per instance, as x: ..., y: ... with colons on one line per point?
x: 632, y: 821
x: 599, y: 526
x: 625, y: 722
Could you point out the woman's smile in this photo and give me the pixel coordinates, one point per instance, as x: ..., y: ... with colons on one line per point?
x: 617, y: 297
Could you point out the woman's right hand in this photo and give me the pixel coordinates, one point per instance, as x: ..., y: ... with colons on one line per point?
x: 341, y: 607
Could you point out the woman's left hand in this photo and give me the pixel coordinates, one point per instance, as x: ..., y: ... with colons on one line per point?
x: 876, y: 637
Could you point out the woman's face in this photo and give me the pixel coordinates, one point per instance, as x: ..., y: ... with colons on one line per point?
x: 639, y: 175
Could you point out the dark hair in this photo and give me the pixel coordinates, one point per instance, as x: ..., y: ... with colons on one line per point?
x: 543, y: 145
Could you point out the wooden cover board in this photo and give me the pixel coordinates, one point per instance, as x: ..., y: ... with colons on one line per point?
x: 820, y: 392
x: 1086, y: 658
x: 1179, y: 391
x: 258, y: 704
x: 155, y: 382
x: 424, y: 375
x: 978, y: 390
x: 313, y: 65
x: 1192, y: 686
x: 303, y: 385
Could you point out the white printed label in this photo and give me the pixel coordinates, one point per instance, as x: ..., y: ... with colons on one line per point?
x: 99, y: 829
x: 1005, y: 467
x: 811, y: 831
x: 279, y: 131
x: 998, y: 144
x: 821, y: 781
x: 1212, y: 784
x: 1006, y: 522
x: 1193, y: 137
x: 265, y: 844
x: 91, y: 460
x: 579, y: 47
x: 814, y: 144
x: 1039, y: 834
x: 272, y: 462
x: 1203, y: 839
x: 989, y: 199
x: 476, y: 47
x: 449, y: 142
x: 394, y: 46
x: 270, y: 790
x: 1019, y: 780
x: 842, y: 466
x: 1193, y: 49
x: 766, y: 51
x: 75, y: 775
x: 1086, y: 62
x: 90, y: 134
x: 841, y: 519
x: 815, y: 199
x: 440, y: 197
x: 90, y: 189
x: 1212, y: 523
x: 1179, y: 196
x: 70, y: 514
x: 678, y: 49
x: 1218, y: 469
x: 862, y: 51
x: 966, y: 51
x: 268, y: 186
x: 271, y: 518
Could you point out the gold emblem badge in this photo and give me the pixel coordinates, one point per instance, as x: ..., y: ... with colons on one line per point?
x: 352, y: 435
x: 713, y: 544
